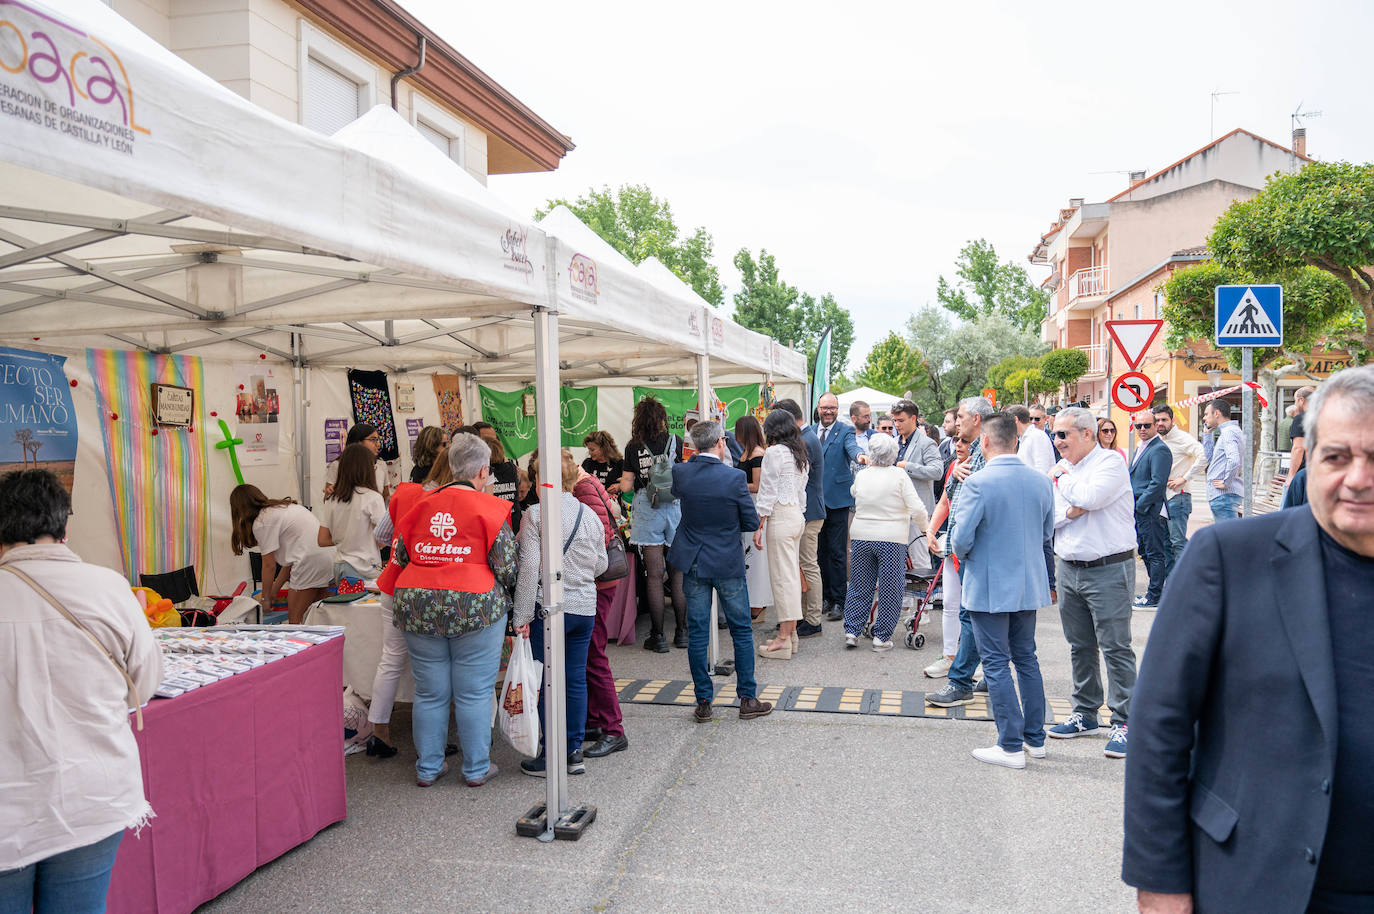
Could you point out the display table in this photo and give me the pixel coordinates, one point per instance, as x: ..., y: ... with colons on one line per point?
x: 362, y: 623
x: 238, y: 772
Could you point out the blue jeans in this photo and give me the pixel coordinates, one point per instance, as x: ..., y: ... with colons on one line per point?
x: 577, y: 636
x: 72, y: 882
x: 1225, y: 507
x: 1004, y: 638
x: 459, y: 670
x: 1180, y: 506
x: 734, y: 605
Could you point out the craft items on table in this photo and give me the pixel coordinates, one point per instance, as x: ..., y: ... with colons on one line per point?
x: 372, y: 404
x: 192, y: 658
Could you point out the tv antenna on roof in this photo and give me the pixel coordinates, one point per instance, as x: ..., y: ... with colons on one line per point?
x: 1212, y: 121
x: 1295, y: 121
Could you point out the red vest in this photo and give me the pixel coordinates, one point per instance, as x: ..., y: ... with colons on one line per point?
x: 403, y: 499
x: 448, y: 535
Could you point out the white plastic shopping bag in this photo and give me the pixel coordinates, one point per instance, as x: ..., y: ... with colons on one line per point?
x: 518, y: 714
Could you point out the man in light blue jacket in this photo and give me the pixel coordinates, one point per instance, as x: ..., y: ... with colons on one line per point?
x: 1004, y: 516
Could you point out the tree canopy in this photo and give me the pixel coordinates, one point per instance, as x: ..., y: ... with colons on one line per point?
x: 893, y: 366
x: 639, y: 225
x: 1017, y: 375
x: 985, y: 286
x: 769, y: 305
x: 1320, y: 217
x: 958, y: 357
x: 1064, y: 366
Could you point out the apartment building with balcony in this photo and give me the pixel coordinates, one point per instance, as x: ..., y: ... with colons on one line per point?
x: 1108, y: 259
x: 324, y: 63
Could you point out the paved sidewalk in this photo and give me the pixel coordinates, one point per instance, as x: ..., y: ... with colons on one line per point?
x: 799, y: 811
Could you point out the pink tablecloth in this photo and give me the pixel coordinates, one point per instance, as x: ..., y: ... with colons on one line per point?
x: 238, y: 773
x: 620, y: 618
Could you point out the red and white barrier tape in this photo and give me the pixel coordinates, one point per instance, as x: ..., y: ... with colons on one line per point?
x: 1203, y: 398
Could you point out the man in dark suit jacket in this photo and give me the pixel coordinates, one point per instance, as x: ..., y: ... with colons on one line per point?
x: 815, y: 519
x: 839, y: 450
x: 1150, y: 486
x: 708, y: 550
x: 1248, y: 784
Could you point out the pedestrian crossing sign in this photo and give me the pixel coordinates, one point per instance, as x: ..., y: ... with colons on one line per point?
x: 1249, y: 315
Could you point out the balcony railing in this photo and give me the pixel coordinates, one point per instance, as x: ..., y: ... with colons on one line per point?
x: 1089, y: 282
x: 1097, y: 357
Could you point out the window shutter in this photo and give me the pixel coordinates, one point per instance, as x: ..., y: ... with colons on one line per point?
x: 331, y: 98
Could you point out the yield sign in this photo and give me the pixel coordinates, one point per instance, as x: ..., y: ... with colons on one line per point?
x: 1133, y: 338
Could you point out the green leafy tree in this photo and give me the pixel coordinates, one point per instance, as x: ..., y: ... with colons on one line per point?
x: 984, y: 285
x: 1320, y: 311
x: 1064, y: 366
x: 998, y: 374
x: 769, y: 305
x: 1320, y: 217
x: 640, y: 225
x: 1025, y: 384
x: 958, y: 357
x: 893, y: 366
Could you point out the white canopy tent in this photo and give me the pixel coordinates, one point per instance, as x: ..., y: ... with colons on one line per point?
x: 144, y: 206
x: 878, y: 401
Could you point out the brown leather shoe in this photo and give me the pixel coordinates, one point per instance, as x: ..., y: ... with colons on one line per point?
x: 749, y: 708
x: 702, y: 714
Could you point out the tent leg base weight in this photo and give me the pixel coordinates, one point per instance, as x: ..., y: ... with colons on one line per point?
x: 572, y: 824
x: 533, y: 823
x: 725, y: 668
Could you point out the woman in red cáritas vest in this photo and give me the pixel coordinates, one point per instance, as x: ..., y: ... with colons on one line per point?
x: 453, y: 567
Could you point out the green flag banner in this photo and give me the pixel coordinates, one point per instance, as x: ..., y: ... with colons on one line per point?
x: 504, y: 410
x: 740, y: 400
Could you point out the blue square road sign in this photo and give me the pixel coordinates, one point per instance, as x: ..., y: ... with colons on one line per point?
x: 1250, y: 315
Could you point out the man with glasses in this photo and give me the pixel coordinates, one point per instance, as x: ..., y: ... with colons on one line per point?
x: 1187, y: 452
x: 840, y: 452
x: 1038, y: 419
x: 861, y: 417
x: 886, y: 426
x: 1094, y: 539
x: 1150, y: 486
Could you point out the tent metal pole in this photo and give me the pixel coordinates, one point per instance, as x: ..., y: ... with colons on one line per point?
x: 302, y: 416
x: 551, y: 549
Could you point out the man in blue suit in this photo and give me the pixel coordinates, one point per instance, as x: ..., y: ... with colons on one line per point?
x: 1005, y: 514
x: 1150, y: 486
x: 1248, y: 786
x: 839, y: 450
x: 707, y: 549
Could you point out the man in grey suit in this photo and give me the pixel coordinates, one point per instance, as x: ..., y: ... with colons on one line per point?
x: 1005, y: 514
x: 1249, y: 785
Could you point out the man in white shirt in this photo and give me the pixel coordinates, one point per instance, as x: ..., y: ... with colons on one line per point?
x: 1094, y: 521
x: 1036, y: 452
x: 1187, y: 452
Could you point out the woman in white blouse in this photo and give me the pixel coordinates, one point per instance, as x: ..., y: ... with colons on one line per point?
x: 885, y: 505
x: 582, y: 540
x: 781, y: 502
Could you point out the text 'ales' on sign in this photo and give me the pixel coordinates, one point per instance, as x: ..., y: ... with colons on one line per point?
x: 1133, y: 391
x: 1133, y: 338
x: 1249, y: 315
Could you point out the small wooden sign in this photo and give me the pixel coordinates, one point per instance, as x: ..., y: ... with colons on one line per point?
x: 173, y: 405
x: 528, y: 405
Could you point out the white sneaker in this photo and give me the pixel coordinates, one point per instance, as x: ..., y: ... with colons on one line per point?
x: 939, y: 669
x: 1035, y: 751
x: 996, y: 755
x: 881, y: 646
x: 851, y: 640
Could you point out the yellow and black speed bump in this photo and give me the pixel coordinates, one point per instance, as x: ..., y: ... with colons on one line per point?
x: 829, y: 699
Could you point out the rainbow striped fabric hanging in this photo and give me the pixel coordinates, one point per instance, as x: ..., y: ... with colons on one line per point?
x: 158, y: 480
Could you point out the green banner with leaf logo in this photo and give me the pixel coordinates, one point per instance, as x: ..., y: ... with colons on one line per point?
x: 518, y: 433
x: 740, y: 400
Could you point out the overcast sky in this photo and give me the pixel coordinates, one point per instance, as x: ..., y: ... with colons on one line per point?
x: 864, y: 144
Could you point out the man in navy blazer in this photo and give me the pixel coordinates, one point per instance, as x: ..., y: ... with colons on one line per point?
x: 1150, y: 486
x: 708, y: 550
x: 1004, y: 516
x: 839, y: 450
x: 815, y: 519
x: 1248, y: 785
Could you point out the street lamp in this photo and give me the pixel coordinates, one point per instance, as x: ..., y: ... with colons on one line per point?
x: 1214, y: 375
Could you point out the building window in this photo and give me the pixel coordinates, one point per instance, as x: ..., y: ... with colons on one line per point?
x: 1137, y: 310
x: 1159, y: 305
x: 337, y: 85
x: 446, y: 132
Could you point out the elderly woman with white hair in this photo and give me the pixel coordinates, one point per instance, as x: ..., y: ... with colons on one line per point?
x: 453, y: 567
x: 885, y: 504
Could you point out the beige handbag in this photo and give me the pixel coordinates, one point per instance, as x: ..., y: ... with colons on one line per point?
x: 131, y: 697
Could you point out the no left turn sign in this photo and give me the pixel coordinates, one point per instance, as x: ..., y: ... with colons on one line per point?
x: 1132, y: 391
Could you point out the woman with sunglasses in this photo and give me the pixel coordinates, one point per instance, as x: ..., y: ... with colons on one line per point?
x: 1106, y: 436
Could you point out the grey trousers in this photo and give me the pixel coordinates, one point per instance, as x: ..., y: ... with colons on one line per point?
x: 1095, y: 610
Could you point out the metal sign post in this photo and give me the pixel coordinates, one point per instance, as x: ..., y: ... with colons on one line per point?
x: 1248, y: 316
